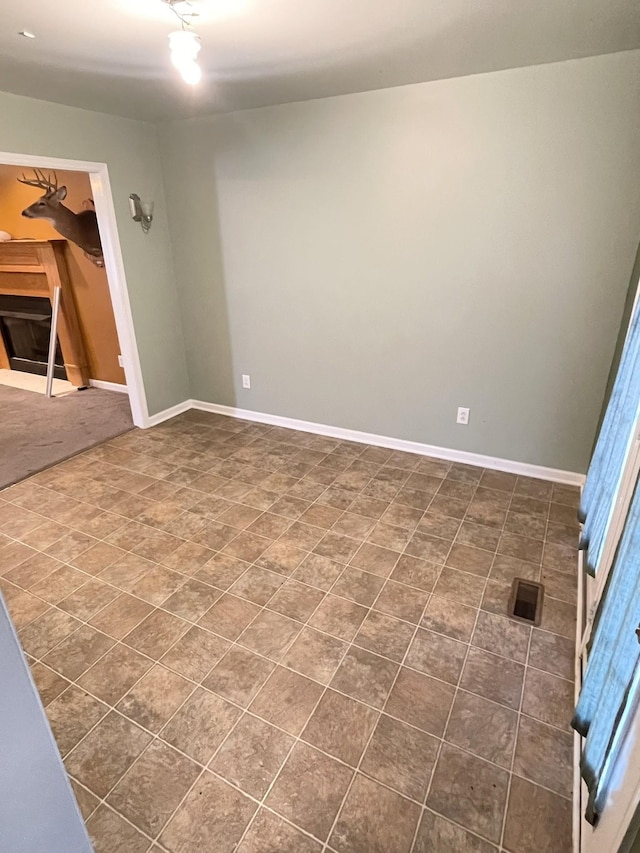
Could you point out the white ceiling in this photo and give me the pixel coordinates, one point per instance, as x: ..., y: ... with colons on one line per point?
x: 112, y: 55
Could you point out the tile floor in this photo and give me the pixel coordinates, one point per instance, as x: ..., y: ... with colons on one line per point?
x: 258, y: 640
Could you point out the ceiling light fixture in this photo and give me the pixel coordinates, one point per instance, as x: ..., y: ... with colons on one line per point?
x: 27, y: 34
x: 184, y: 44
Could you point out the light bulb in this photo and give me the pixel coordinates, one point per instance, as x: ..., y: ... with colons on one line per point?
x: 191, y: 73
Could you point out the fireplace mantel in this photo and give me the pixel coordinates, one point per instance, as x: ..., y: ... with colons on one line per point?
x: 36, y: 268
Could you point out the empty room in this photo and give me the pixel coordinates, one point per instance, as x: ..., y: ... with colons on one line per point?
x: 350, y: 563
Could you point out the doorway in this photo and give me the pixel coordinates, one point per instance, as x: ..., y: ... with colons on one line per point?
x: 97, y: 389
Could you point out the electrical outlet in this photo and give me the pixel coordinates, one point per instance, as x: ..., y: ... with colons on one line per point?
x: 246, y: 380
x: 463, y: 416
x: 120, y: 361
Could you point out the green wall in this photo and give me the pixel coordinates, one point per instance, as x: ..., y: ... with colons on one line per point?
x: 130, y: 149
x: 376, y: 260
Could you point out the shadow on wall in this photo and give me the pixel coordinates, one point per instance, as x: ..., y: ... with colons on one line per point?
x: 195, y: 224
x: 90, y: 285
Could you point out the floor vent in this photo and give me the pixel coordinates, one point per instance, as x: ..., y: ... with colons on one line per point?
x: 525, y: 602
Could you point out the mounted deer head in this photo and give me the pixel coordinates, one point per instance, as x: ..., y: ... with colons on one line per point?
x: 81, y: 228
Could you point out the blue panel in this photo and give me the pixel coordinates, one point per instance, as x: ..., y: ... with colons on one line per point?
x: 38, y: 811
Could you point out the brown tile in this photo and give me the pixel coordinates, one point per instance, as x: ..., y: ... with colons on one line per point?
x: 155, y: 698
x: 339, y: 617
x: 47, y: 631
x: 157, y: 633
x: 310, y: 789
x: 365, y: 676
x: 221, y: 571
x: 88, y: 599
x: 106, y: 753
x: 270, y: 634
x: 76, y: 653
x: 296, y: 600
x: 229, y: 616
x: 537, y: 820
x: 270, y: 832
x: 493, y: 677
x: 469, y: 791
x: 215, y: 535
x: 269, y: 525
x: 239, y: 516
x: 421, y: 701
x: 561, y: 558
x: 302, y: 536
x: 213, y: 817
x: 457, y: 489
x: 401, y: 515
x: 401, y: 756
x: 482, y: 727
x: 505, y: 569
x: 401, y: 601
x: 188, y: 558
x: 318, y: 571
x: 287, y: 700
x: 23, y: 607
x: 152, y: 789
x: 560, y: 585
x: 321, y: 516
x: 239, y: 675
x: 58, y: 584
x: 486, y: 511
x: 315, y: 654
x: 478, y: 536
x: 339, y: 548
x: 460, y: 587
x: 192, y: 600
x: 533, y: 488
x: 374, y: 819
x: 548, y: 698
x: 415, y: 572
x: 502, y: 636
x: 499, y: 480
x: 545, y: 755
x: 71, y: 715
x: 389, y: 537
x: 87, y: 803
x: 354, y: 525
x: 522, y: 547
x: 252, y: 755
x: 362, y: 587
x: 437, y: 835
x: 437, y: 655
x: 257, y: 585
x: 97, y: 558
x: 531, y: 526
x: 282, y: 558
x: 201, y: 724
x: 559, y: 617
x: 248, y: 547
x: 157, y: 584
x: 110, y: 833
x: 115, y: 673
x: 32, y: 571
x: 469, y: 559
x: 375, y: 559
x: 496, y: 597
x: 384, y: 635
x: 195, y: 654
x: 530, y: 506
x: 427, y: 547
x: 126, y: 571
x: 121, y: 616
x: 448, y: 617
x: 552, y: 653
x: 48, y: 682
x: 341, y: 727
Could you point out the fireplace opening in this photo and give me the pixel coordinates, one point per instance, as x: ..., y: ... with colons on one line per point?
x: 25, y: 326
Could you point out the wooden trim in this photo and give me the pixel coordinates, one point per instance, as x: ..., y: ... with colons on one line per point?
x: 41, y: 269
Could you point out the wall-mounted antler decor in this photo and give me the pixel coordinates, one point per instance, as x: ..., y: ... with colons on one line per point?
x: 81, y: 228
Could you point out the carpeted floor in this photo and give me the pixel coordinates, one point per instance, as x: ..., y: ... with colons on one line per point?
x: 36, y: 432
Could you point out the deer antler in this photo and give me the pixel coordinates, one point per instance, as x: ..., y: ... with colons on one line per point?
x: 41, y: 181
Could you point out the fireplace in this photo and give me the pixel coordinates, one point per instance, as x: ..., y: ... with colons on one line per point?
x: 25, y: 326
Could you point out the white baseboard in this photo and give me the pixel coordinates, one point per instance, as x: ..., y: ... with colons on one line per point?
x: 167, y: 414
x: 108, y: 386
x: 495, y: 463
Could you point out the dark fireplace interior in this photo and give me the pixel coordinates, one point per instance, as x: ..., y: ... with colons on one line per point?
x: 25, y: 326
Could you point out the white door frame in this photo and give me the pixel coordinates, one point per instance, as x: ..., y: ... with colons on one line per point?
x: 114, y: 266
